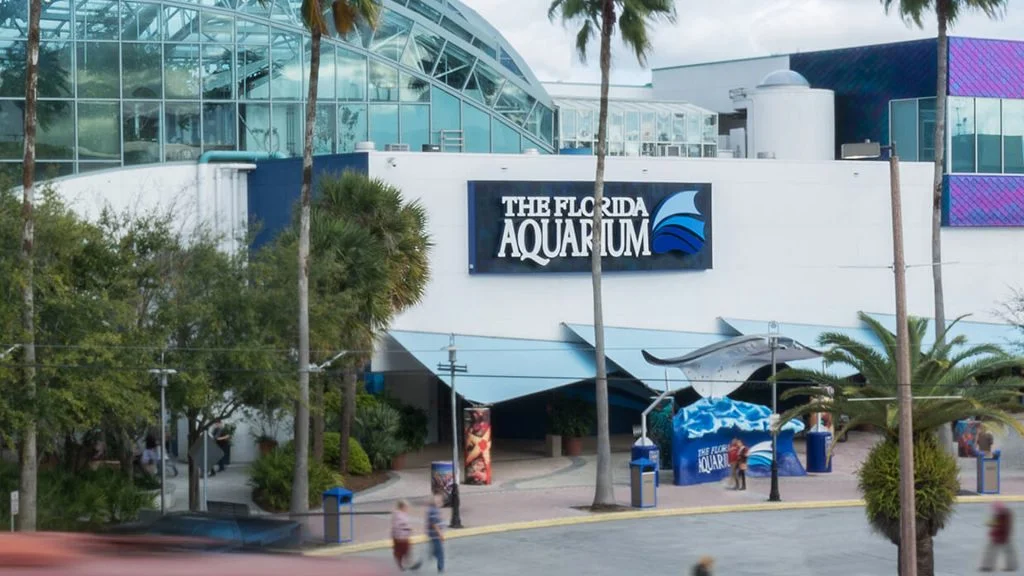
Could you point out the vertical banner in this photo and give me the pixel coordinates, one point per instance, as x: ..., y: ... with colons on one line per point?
x: 477, y: 422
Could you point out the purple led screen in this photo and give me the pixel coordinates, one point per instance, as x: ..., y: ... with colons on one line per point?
x: 985, y: 201
x: 986, y: 68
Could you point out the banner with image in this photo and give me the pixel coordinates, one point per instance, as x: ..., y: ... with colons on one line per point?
x: 477, y: 427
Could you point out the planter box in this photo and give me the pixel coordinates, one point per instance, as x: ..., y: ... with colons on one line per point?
x: 572, y: 446
x: 553, y: 446
x: 398, y: 462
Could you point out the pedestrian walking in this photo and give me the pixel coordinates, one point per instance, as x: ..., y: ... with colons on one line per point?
x: 741, y: 465
x: 999, y: 542
x: 435, y: 530
x: 401, y: 533
x: 703, y: 567
x: 734, y: 464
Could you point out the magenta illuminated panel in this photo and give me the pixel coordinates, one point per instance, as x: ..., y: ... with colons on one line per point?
x: 986, y: 68
x: 984, y: 201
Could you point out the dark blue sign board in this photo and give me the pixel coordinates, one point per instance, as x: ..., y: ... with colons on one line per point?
x: 525, y: 227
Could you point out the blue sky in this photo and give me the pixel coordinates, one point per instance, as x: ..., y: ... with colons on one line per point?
x: 725, y: 29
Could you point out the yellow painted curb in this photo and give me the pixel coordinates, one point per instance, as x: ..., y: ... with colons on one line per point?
x: 633, y: 515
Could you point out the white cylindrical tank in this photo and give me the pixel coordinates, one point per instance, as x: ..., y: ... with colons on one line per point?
x: 789, y: 120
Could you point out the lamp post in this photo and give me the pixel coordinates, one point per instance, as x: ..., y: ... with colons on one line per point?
x: 773, y: 344
x: 164, y: 373
x: 452, y: 367
x: 908, y: 507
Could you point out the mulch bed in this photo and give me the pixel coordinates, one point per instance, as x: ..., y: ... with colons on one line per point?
x: 360, y: 483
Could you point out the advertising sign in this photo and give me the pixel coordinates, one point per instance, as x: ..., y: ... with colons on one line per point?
x: 525, y: 227
x: 477, y: 422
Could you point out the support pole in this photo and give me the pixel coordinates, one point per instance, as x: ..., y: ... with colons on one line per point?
x: 773, y: 342
x: 206, y: 472
x: 163, y: 443
x: 452, y: 367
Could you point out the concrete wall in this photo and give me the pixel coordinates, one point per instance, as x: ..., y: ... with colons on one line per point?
x: 708, y: 85
x: 797, y: 242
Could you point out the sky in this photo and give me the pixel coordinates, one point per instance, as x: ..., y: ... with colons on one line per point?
x: 723, y: 30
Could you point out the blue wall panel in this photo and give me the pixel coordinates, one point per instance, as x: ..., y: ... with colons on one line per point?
x: 274, y: 188
x: 865, y: 79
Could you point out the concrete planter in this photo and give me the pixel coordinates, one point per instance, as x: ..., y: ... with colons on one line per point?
x: 572, y: 446
x: 553, y: 446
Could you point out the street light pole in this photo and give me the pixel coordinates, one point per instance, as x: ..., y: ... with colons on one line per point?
x: 773, y: 343
x: 453, y: 367
x: 164, y: 373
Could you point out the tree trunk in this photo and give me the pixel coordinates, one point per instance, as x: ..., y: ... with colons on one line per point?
x: 925, y: 556
x: 942, y: 12
x: 317, y: 411
x: 29, y: 460
x: 193, y: 467
x: 348, y: 414
x: 300, y: 482
x: 604, y: 493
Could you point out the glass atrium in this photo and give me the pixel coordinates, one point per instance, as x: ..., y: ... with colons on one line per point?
x: 639, y: 128
x: 128, y: 82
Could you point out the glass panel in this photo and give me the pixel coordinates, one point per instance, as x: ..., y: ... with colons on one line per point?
x: 711, y: 128
x: 326, y: 82
x: 514, y: 103
x: 219, y: 124
x: 84, y: 167
x: 218, y: 83
x: 55, y: 138
x: 253, y: 69
x: 392, y: 32
x: 216, y: 28
x: 586, y: 126
x: 181, y: 71
x: 926, y: 129
x: 961, y: 127
x: 476, y: 129
x: 508, y: 62
x: 54, y: 70
x: 181, y: 131
x: 904, y: 128
x: 1013, y: 136
x: 286, y: 59
x: 99, y: 136
x: 567, y: 123
x: 12, y: 130
x: 648, y: 127
x: 414, y: 88
x: 710, y: 150
x: 98, y: 72
x: 484, y: 84
x: 455, y: 29
x: 384, y: 124
x: 679, y: 131
x: 281, y: 11
x: 181, y: 24
x: 55, y: 21
x: 323, y: 129
x: 504, y: 138
x: 485, y: 48
x: 14, y: 19
x: 664, y: 127
x: 141, y: 21
x: 693, y: 127
x: 50, y: 170
x: 96, y: 20
x: 383, y: 82
x: 445, y: 114
x: 351, y: 126
x: 351, y: 75
x: 252, y: 33
x: 254, y: 127
x: 547, y: 121
x: 425, y: 10
x: 288, y: 121
x: 416, y: 126
x: 141, y: 77
x: 255, y: 7
x: 422, y: 53
x: 12, y: 68
x: 615, y: 126
x: 989, y: 124
x: 141, y: 132
x: 453, y: 66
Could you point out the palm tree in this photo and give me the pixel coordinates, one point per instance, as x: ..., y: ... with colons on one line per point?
x: 951, y: 380
x: 600, y: 17
x: 28, y: 476
x: 347, y: 14
x: 946, y: 12
x: 380, y: 241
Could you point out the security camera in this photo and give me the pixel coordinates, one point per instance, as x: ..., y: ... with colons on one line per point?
x: 392, y: 162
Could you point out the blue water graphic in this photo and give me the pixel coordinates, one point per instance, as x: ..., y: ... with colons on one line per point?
x: 678, y: 225
x: 710, y: 415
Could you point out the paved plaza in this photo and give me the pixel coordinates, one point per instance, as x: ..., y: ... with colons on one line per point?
x: 782, y: 543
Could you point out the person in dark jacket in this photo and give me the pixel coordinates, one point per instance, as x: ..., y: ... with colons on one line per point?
x: 703, y: 567
x: 1000, y: 527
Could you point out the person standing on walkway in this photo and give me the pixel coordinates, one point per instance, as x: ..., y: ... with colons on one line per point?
x: 401, y: 533
x: 999, y: 542
x: 741, y: 464
x: 734, y: 463
x: 703, y: 567
x: 435, y: 530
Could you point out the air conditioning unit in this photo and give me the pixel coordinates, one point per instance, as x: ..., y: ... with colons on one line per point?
x: 396, y: 147
x: 431, y: 148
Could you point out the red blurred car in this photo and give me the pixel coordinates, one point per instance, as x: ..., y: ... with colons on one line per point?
x: 60, y: 554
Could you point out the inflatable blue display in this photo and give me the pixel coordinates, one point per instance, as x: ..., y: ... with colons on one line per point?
x: 703, y: 430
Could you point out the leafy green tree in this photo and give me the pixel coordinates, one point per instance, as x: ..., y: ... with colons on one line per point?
x: 952, y: 380
x: 631, y: 19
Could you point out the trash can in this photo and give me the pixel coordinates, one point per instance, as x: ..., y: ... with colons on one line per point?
x: 644, y: 448
x: 817, y: 452
x: 988, y: 473
x: 643, y: 490
x: 337, y: 505
x: 442, y: 479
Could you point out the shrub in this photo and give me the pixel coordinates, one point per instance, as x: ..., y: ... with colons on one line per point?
x: 271, y: 481
x: 377, y: 427
x: 572, y: 417
x: 412, y: 428
x: 358, y: 461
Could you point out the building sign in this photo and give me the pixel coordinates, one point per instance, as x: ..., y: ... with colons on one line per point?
x: 519, y: 227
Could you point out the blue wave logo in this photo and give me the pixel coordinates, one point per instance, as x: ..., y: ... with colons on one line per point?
x: 678, y: 225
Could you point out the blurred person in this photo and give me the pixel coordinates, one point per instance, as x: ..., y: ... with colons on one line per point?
x: 223, y: 440
x: 1000, y: 527
x: 401, y: 532
x: 704, y: 566
x: 435, y: 529
x: 150, y: 456
x: 734, y: 462
x: 742, y: 455
x: 984, y: 441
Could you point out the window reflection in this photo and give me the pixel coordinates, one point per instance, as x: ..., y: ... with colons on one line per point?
x: 484, y: 84
x: 181, y: 24
x: 567, y: 124
x: 477, y: 129
x: 141, y: 65
x: 141, y: 129
x: 99, y: 136
x: 12, y: 130
x: 254, y: 131
x: 181, y: 131
x: 1013, y: 136
x: 351, y: 126
x: 445, y: 114
x: 383, y: 82
x: 219, y: 122
x: 423, y: 51
x: 514, y: 103
x: 323, y: 129
x: 54, y: 70
x: 55, y: 139
x: 415, y: 126
x: 98, y: 72
x: 216, y: 28
x: 14, y: 19
x: 141, y: 21
x: 351, y: 75
x: 961, y: 127
x: 96, y: 20
x: 903, y: 131
x: 414, y: 88
x: 384, y: 124
x: 391, y: 34
x: 926, y: 129
x: 55, y: 21
x: 287, y: 127
x: 988, y: 118
x: 286, y: 66
x: 218, y: 83
x: 453, y: 66
x: 181, y: 71
x: 254, y: 72
x: 326, y: 82
x: 12, y: 68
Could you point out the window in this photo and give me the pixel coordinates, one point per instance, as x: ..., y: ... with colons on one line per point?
x: 217, y: 28
x: 384, y: 124
x: 253, y: 65
x: 962, y: 134
x: 988, y: 118
x: 566, y: 124
x: 14, y: 19
x: 98, y: 70
x: 484, y: 84
x: 415, y: 126
x: 326, y: 82
x: 12, y: 130
x: 477, y: 129
x: 99, y: 136
x: 926, y: 129
x: 445, y: 113
x: 181, y: 131
x: 423, y: 51
x: 391, y: 35
x: 286, y: 70
x: 181, y: 24
x: 453, y: 66
x: 12, y: 65
x: 903, y: 128
x: 323, y: 129
x: 504, y: 138
x: 254, y: 130
x: 141, y: 21
x: 54, y: 70
x: 96, y: 20
x: 219, y: 125
x: 1013, y: 136
x: 141, y: 128
x: 351, y: 126
x: 383, y: 82
x: 414, y: 88
x: 287, y: 128
x: 181, y: 71
x: 141, y: 64
x: 218, y: 81
x: 351, y: 76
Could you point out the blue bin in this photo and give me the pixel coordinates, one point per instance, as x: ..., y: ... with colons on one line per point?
x: 817, y: 452
x: 337, y: 504
x: 442, y: 479
x: 649, y: 452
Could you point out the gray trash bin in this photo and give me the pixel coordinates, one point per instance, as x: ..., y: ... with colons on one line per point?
x: 643, y: 483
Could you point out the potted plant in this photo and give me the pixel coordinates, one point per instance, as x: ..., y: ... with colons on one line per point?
x: 412, y: 433
x: 572, y: 419
x: 266, y: 425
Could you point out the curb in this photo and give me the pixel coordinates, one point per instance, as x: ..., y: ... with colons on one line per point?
x: 339, y: 550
